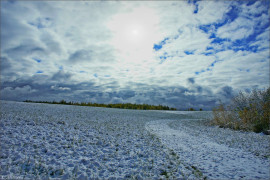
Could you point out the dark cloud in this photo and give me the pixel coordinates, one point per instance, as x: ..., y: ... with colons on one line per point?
x: 23, y: 50
x: 81, y: 55
x: 175, y: 96
x: 126, y: 94
x: 93, y: 54
x: 5, y: 64
x: 227, y: 91
x: 191, y: 80
x: 53, y: 45
x: 61, y: 75
x: 199, y: 89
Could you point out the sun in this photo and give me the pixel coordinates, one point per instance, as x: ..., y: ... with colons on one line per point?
x: 134, y: 33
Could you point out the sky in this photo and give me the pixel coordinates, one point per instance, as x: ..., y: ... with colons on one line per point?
x: 176, y: 53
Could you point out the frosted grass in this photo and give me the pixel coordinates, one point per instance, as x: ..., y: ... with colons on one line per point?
x: 45, y: 141
x: 60, y: 141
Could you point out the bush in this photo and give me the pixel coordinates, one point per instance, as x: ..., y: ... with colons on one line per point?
x: 247, y: 111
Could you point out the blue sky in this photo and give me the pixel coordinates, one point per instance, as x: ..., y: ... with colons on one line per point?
x: 177, y: 53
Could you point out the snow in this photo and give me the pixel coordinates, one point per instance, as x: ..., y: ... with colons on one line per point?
x: 41, y: 141
x: 214, y: 151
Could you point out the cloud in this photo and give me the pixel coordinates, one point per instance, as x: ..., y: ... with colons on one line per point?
x: 191, y: 80
x: 176, y: 53
x: 93, y: 54
x: 17, y: 93
x: 238, y: 29
x: 60, y: 88
x: 81, y: 55
x: 227, y: 92
x: 61, y: 76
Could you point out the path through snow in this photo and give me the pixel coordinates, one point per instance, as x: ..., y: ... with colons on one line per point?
x: 214, y: 160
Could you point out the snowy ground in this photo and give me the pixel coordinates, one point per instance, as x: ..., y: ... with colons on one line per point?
x: 60, y: 141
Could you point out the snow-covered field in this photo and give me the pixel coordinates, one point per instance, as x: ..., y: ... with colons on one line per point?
x: 59, y: 141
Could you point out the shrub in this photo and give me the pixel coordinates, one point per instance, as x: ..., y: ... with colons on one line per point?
x: 247, y: 111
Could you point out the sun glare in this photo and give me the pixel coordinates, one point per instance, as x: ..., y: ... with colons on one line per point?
x: 134, y: 34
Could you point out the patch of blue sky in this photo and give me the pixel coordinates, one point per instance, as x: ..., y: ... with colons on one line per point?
x: 199, y: 72
x: 95, y: 75
x: 37, y: 60
x: 213, y: 63
x: 213, y: 35
x: 39, y: 72
x: 232, y: 14
x: 189, y: 52
x: 196, y: 9
x: 250, y: 2
x: 209, y: 48
x: 244, y: 44
x: 157, y: 47
x: 208, y: 53
x: 209, y: 68
x: 160, y: 45
x: 219, y: 40
x: 107, y: 76
x: 163, y: 57
x: 60, y: 67
x: 206, y: 28
x: 194, y: 2
x: 82, y: 71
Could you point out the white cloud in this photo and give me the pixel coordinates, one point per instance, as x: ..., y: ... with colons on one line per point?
x: 190, y: 39
x: 108, y: 47
x: 60, y: 88
x: 211, y: 11
x: 238, y: 29
x: 242, y: 69
x: 253, y: 10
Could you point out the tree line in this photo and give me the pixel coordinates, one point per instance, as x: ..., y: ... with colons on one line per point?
x: 119, y: 105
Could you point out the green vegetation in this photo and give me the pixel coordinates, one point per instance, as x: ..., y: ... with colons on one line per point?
x: 247, y: 111
x: 121, y: 106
